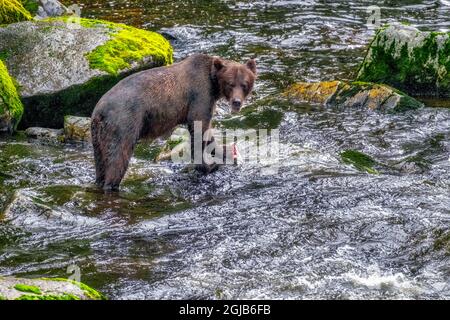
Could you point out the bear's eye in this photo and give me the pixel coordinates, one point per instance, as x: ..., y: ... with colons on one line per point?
x: 230, y: 84
x: 244, y: 87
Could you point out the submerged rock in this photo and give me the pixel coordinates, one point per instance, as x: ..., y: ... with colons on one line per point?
x: 13, y: 11
x: 77, y: 128
x: 411, y: 60
x: 11, y: 108
x: 64, y: 65
x: 52, y: 136
x: 359, y: 160
x: 12, y: 288
x: 353, y: 94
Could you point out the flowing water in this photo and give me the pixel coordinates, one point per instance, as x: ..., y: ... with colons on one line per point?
x: 318, y: 228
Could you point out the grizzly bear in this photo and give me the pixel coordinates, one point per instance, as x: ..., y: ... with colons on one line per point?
x: 151, y: 103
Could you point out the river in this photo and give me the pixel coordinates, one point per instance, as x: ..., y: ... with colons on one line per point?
x: 316, y: 229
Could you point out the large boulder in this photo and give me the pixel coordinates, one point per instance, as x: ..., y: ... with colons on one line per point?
x: 65, y: 65
x: 353, y: 94
x: 13, y: 11
x: 413, y: 61
x: 11, y: 108
x: 12, y: 288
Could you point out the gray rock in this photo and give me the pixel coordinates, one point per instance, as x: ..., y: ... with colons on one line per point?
x: 49, y: 61
x: 50, y: 8
x: 46, y: 135
x: 12, y: 288
x: 77, y: 128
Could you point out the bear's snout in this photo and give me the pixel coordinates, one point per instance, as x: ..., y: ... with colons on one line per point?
x: 236, y: 105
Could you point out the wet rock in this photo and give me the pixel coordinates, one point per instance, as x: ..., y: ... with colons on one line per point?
x: 64, y: 65
x: 11, y: 108
x: 353, y: 94
x: 264, y: 114
x: 12, y: 288
x: 77, y: 128
x: 410, y: 60
x: 52, y: 136
x: 50, y: 8
x: 13, y: 11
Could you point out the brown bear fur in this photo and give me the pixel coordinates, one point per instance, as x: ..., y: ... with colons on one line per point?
x: 151, y: 103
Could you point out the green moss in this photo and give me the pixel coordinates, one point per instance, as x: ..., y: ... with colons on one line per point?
x: 13, y: 11
x: 265, y: 118
x: 147, y: 151
x: 64, y: 296
x: 359, y: 160
x: 2, y: 298
x: 10, y: 105
x: 31, y: 6
x: 27, y: 288
x: 173, y: 143
x: 88, y: 291
x: 127, y: 44
x: 407, y: 103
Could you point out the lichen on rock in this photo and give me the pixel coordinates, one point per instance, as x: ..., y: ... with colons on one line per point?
x: 13, y: 11
x: 353, y: 94
x: 11, y: 108
x: 408, y: 59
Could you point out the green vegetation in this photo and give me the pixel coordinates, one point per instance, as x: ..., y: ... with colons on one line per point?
x: 28, y: 288
x: 359, y: 160
x: 147, y: 151
x: 11, y: 107
x: 31, y: 6
x: 13, y: 11
x: 64, y: 296
x: 88, y: 291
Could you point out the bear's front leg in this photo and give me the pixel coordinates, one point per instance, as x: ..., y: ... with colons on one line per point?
x: 202, y: 140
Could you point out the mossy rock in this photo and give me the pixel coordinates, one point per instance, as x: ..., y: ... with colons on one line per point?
x: 64, y: 65
x: 13, y: 11
x: 11, y: 108
x: 410, y: 60
x: 266, y: 113
x: 12, y: 288
x: 353, y: 94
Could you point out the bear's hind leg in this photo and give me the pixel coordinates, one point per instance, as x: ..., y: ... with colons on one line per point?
x: 117, y: 163
x: 98, y: 143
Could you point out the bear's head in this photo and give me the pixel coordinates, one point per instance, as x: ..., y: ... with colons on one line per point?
x: 235, y: 81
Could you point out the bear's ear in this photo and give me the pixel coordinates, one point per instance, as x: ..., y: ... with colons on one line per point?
x: 218, y: 64
x: 251, y: 64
